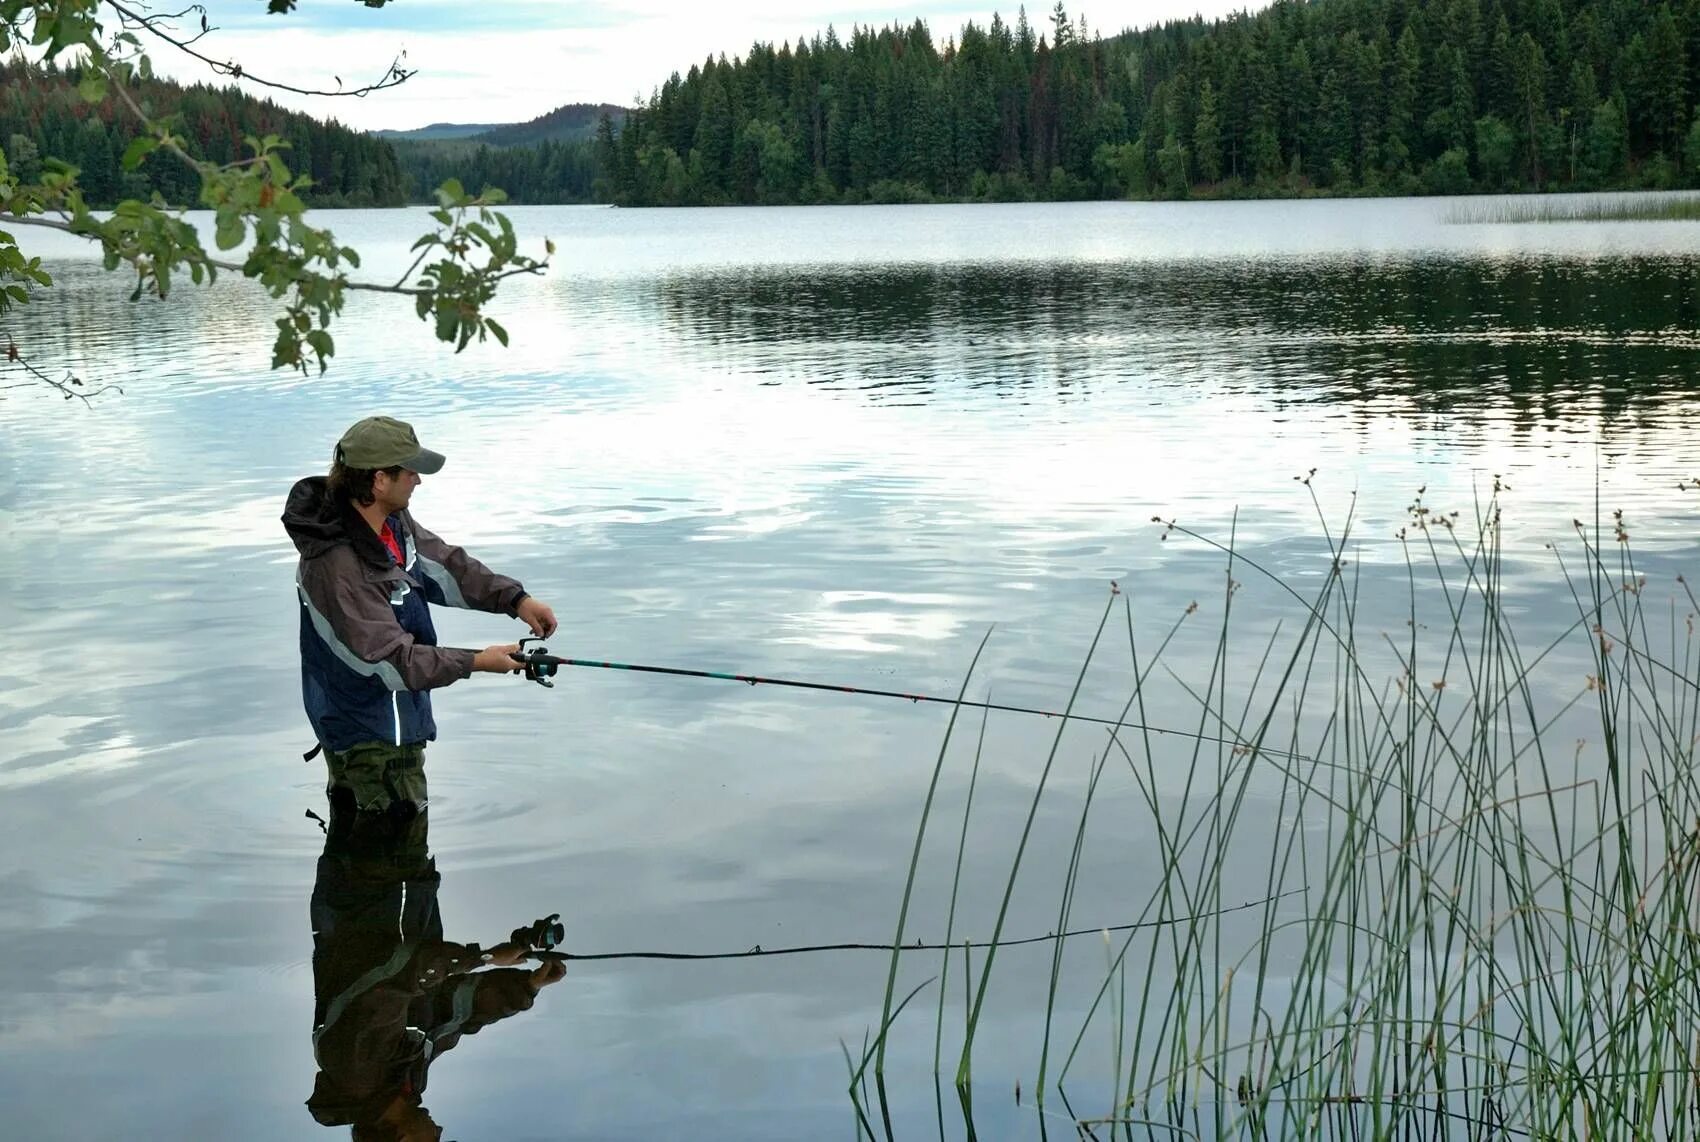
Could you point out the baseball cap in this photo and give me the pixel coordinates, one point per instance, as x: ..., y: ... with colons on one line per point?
x: 384, y: 442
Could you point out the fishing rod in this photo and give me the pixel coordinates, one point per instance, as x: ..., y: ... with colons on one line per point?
x: 541, y: 667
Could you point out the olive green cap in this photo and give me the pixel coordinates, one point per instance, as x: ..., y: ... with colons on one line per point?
x: 384, y: 442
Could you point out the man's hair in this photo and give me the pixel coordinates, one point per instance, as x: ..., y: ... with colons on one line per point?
x: 355, y: 484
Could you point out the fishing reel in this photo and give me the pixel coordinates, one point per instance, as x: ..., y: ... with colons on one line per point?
x: 544, y: 935
x: 540, y: 666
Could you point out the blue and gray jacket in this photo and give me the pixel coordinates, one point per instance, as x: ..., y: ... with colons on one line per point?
x: 369, y: 653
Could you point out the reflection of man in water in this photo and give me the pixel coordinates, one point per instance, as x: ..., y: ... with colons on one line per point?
x: 390, y: 994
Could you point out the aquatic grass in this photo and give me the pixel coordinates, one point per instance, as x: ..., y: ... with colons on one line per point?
x: 1478, y: 856
x: 956, y: 888
x: 964, y: 1068
x: 1637, y: 208
x: 888, y: 1014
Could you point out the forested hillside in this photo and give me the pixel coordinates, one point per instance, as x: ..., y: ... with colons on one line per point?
x: 549, y: 172
x: 42, y: 115
x: 545, y: 160
x: 1305, y: 96
x: 1302, y: 97
x: 573, y: 122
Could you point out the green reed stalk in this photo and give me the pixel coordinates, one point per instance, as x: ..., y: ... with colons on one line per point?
x: 955, y: 888
x: 1064, y: 916
x: 886, y: 1013
x: 964, y: 1066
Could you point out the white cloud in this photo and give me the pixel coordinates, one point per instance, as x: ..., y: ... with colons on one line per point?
x: 513, y: 60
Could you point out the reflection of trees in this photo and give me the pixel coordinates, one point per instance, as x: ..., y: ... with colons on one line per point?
x: 1542, y: 339
x: 391, y: 995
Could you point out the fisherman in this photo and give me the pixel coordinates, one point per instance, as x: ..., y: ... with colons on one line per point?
x: 369, y: 653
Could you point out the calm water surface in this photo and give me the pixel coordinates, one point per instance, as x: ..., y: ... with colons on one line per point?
x: 826, y: 444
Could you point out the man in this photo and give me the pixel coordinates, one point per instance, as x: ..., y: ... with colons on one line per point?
x: 369, y: 653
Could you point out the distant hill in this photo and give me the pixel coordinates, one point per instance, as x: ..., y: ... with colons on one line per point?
x: 440, y: 131
x: 566, y: 124
x: 571, y: 123
x: 551, y: 159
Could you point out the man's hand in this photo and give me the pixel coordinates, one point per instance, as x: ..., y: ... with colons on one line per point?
x: 497, y: 660
x: 537, y: 615
x: 553, y: 971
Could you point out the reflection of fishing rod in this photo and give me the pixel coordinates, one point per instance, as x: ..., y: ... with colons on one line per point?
x: 547, y: 951
x: 541, y: 667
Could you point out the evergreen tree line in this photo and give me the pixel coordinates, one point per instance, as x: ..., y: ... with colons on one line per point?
x: 43, y: 115
x: 546, y: 172
x: 1306, y: 96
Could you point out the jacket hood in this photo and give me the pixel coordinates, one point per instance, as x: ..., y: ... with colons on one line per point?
x: 316, y: 521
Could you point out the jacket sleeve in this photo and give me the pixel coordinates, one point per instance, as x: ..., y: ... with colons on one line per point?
x: 364, y: 633
x: 466, y: 1004
x: 455, y: 579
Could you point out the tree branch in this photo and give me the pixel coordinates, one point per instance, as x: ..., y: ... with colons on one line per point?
x: 72, y: 386
x: 206, y: 29
x: 255, y: 199
x: 152, y: 25
x: 237, y: 267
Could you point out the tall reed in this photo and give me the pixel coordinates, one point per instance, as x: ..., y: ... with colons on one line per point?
x: 1632, y: 208
x: 1395, y: 891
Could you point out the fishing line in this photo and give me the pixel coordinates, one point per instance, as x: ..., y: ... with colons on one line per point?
x: 541, y: 667
x: 810, y: 949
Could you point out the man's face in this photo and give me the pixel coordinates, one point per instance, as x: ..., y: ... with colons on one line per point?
x: 394, y: 492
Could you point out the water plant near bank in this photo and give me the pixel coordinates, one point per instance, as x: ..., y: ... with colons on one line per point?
x: 1439, y: 880
x: 1638, y: 208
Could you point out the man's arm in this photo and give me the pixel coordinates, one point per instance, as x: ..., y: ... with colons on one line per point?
x: 355, y: 618
x: 455, y: 579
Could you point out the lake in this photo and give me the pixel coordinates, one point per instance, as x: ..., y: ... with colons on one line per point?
x: 833, y: 445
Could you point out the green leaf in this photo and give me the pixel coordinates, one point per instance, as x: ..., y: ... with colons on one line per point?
x: 140, y: 147
x: 229, y: 232
x: 501, y: 334
x: 92, y: 87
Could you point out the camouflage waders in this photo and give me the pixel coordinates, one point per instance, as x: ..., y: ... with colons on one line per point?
x: 379, y: 776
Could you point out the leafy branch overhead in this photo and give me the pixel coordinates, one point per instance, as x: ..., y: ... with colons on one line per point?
x: 260, y: 230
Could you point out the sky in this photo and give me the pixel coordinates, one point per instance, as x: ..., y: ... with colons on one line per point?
x: 504, y: 61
